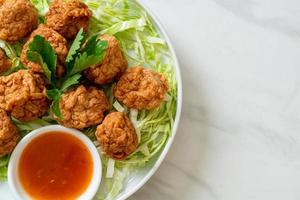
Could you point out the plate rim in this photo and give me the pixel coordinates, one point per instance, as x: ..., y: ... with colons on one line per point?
x: 167, y: 147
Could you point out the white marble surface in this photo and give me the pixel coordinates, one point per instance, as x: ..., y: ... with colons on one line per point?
x: 239, y: 137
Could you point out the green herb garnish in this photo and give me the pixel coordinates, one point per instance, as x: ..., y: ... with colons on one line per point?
x: 40, y: 51
x: 82, y: 55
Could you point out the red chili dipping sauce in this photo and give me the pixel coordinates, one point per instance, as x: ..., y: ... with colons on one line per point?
x: 56, y: 166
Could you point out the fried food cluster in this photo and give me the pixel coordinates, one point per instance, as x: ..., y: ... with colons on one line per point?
x: 141, y: 88
x: 117, y: 136
x: 17, y: 19
x: 23, y: 95
x: 112, y: 66
x: 68, y: 16
x: 5, y: 63
x: 82, y: 107
x: 59, y: 44
x: 9, y: 134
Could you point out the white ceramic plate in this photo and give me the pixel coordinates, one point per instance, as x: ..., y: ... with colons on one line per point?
x: 138, y: 179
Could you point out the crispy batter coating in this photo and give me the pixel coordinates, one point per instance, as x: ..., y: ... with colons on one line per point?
x: 5, y: 63
x: 68, y: 16
x: 23, y: 95
x: 117, y: 136
x: 18, y: 18
x: 58, y: 42
x: 82, y: 107
x: 112, y: 66
x: 141, y: 88
x: 9, y: 134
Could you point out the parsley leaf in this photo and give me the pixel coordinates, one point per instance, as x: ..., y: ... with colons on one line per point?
x: 56, y: 109
x: 43, y: 47
x: 37, y: 58
x: 95, y: 46
x: 75, y: 47
x: 82, y: 62
x: 82, y: 55
x: 41, y: 51
x: 92, y: 54
x: 55, y: 95
x: 90, y: 45
x: 73, y: 80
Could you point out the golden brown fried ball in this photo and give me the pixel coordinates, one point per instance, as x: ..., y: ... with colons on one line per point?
x: 68, y: 16
x: 9, y: 134
x: 23, y: 95
x: 117, y: 136
x: 141, y: 88
x: 112, y: 66
x: 5, y: 62
x: 18, y: 18
x: 59, y: 44
x: 82, y: 107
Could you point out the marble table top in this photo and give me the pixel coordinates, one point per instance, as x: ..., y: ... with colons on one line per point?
x: 239, y: 137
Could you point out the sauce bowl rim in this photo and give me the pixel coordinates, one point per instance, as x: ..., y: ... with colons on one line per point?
x: 13, y: 175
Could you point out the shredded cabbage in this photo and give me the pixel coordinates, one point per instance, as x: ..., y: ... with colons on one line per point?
x: 110, y: 168
x: 9, y: 51
x: 3, y: 167
x: 42, y: 6
x: 118, y: 107
x: 142, y: 45
x: 26, y: 127
x: 13, y: 52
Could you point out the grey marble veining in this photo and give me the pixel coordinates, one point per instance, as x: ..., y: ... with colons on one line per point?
x: 239, y: 137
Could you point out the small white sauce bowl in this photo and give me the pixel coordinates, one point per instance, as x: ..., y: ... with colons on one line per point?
x: 13, y: 172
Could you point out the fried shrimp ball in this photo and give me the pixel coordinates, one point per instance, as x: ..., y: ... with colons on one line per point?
x: 9, y: 134
x: 18, y: 18
x: 117, y: 136
x: 141, y: 88
x: 68, y: 16
x: 58, y: 42
x: 82, y: 107
x: 23, y: 95
x: 5, y: 63
x: 112, y: 66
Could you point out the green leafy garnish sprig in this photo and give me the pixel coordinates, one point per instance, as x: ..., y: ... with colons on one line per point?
x: 83, y: 54
x: 13, y: 52
x: 40, y: 51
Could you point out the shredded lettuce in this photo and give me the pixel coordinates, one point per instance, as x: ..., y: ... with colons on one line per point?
x: 142, y: 45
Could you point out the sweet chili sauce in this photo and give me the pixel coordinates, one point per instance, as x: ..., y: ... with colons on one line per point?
x: 56, y: 166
